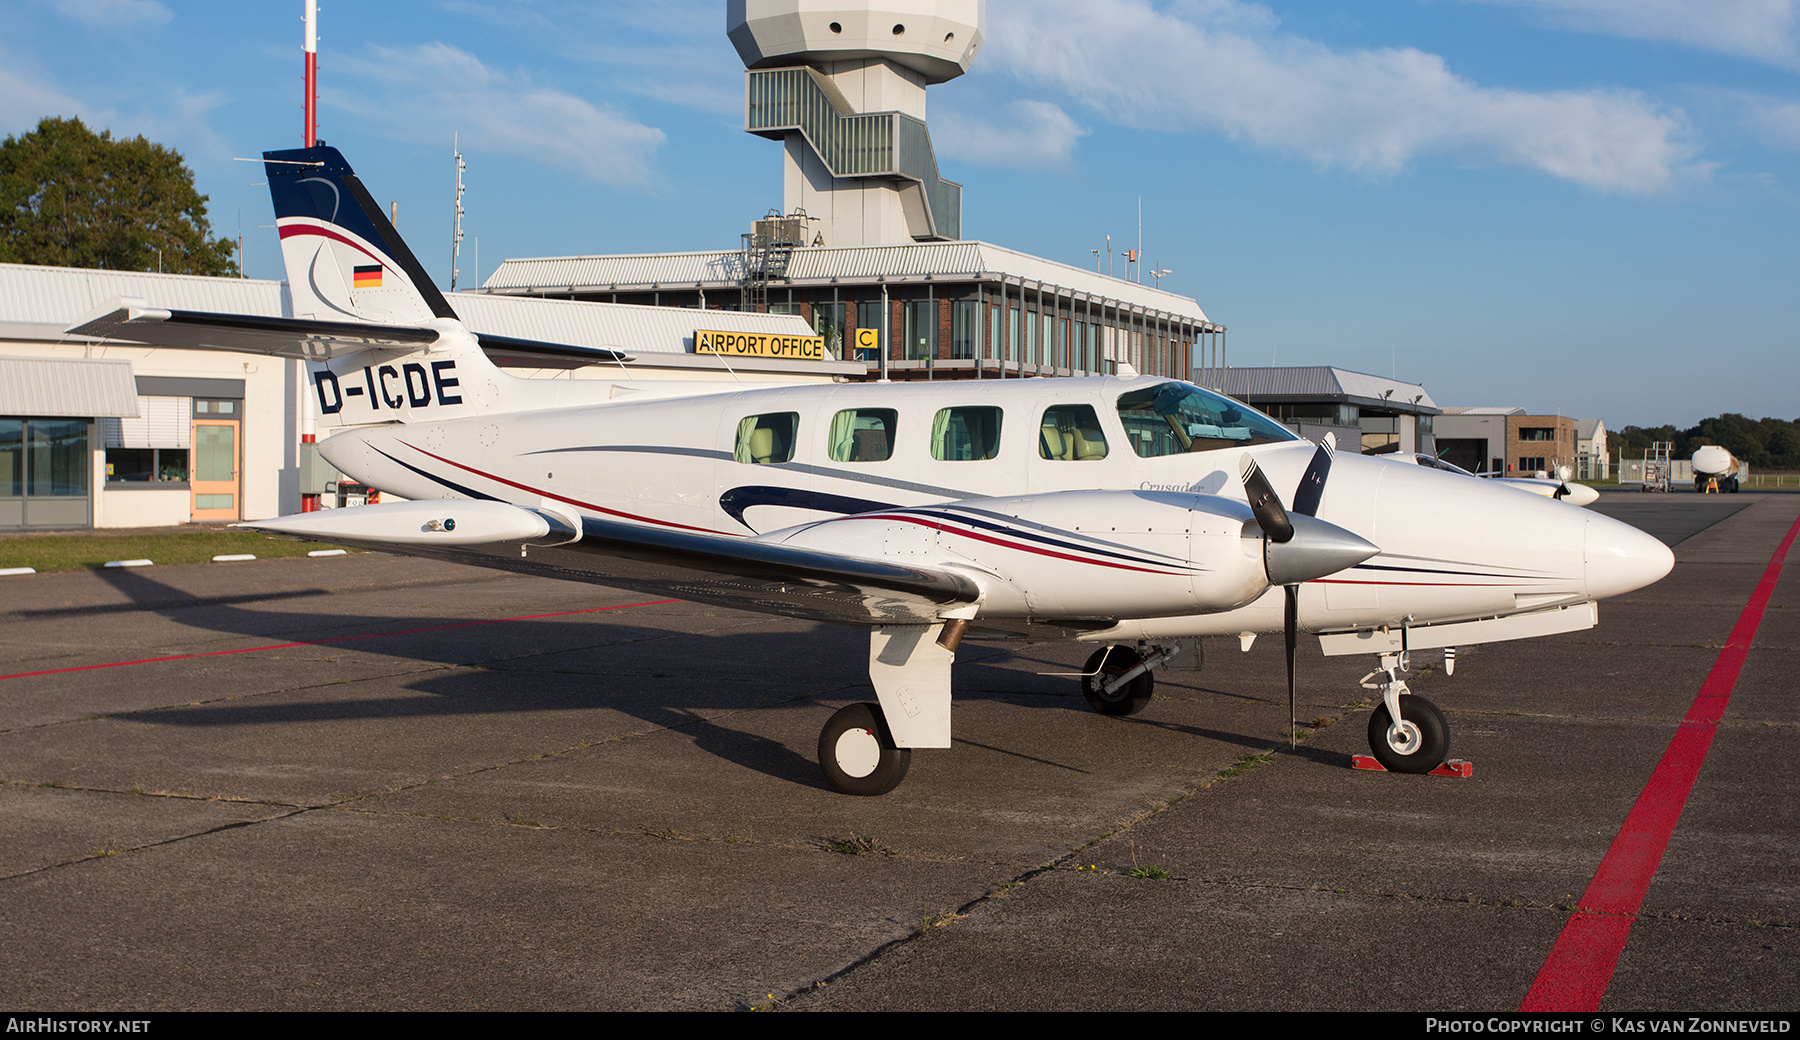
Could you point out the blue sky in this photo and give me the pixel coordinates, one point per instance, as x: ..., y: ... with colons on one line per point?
x: 1581, y: 206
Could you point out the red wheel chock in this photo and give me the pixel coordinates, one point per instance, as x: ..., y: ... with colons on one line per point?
x: 1460, y: 767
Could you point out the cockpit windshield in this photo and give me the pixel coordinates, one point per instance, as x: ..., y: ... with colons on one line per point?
x: 1431, y: 462
x: 1175, y: 418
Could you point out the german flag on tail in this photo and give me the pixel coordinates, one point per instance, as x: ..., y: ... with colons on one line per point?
x: 368, y: 276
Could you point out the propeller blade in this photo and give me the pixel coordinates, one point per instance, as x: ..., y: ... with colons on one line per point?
x: 1291, y: 627
x: 1265, y: 504
x: 1312, y: 482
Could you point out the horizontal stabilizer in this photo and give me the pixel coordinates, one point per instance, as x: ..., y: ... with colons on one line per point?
x: 134, y: 320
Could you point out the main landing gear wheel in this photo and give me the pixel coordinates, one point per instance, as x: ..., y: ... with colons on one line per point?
x: 1419, y: 744
x: 857, y: 754
x: 1128, y: 699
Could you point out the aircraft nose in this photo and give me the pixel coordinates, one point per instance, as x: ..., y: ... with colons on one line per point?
x: 1621, y: 558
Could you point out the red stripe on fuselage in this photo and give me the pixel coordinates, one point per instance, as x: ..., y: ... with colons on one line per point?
x: 571, y: 501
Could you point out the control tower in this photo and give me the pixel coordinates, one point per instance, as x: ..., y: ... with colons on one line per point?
x: 842, y: 85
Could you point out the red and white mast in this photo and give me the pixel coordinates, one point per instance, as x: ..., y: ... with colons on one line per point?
x: 312, y: 73
x: 309, y: 501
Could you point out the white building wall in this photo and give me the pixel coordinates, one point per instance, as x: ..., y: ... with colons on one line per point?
x: 267, y: 431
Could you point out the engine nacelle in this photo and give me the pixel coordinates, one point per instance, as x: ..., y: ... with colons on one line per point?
x: 1071, y: 553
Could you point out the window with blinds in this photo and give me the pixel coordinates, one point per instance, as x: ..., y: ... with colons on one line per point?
x: 153, y: 447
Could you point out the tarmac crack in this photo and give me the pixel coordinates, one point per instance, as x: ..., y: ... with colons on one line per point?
x: 1001, y: 890
x: 175, y: 839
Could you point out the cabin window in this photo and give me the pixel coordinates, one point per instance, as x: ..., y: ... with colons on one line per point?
x: 1174, y: 418
x: 965, y: 434
x: 766, y: 438
x: 1071, y: 433
x: 863, y: 435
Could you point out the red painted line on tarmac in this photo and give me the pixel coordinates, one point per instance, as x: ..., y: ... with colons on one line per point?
x: 1580, y: 966
x: 334, y: 639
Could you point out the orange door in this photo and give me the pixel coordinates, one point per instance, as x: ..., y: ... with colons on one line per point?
x: 215, y: 480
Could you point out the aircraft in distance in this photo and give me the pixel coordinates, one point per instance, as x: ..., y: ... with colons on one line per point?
x: 1137, y: 514
x: 1560, y: 488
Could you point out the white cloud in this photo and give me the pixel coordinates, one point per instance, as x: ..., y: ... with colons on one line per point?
x: 1773, y: 122
x: 1031, y: 133
x: 1221, y: 65
x: 1764, y: 30
x: 24, y: 102
x: 425, y: 93
x: 1777, y: 124
x: 170, y: 116
x: 113, y: 14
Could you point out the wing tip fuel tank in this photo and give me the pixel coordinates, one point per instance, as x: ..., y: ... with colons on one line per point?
x: 445, y: 522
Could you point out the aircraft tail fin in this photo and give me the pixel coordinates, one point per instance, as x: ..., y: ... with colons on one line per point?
x: 345, y: 261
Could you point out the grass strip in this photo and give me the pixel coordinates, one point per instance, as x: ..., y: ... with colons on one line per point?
x: 50, y: 553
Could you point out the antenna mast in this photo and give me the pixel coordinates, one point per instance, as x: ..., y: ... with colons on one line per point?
x: 456, y: 230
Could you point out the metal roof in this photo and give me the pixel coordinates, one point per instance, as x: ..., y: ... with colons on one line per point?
x: 1486, y: 409
x: 75, y: 387
x: 937, y: 261
x: 1327, y: 382
x: 38, y: 303
x: 636, y: 329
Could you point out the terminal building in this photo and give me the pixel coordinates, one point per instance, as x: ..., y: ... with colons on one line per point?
x: 868, y: 246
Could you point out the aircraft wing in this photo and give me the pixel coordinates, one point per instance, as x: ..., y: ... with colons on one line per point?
x: 750, y: 574
x: 743, y: 573
x: 135, y: 321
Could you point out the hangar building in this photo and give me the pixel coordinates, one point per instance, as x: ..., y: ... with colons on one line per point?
x: 1378, y: 413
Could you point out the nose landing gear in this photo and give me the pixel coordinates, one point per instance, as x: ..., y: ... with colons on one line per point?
x: 1406, y: 736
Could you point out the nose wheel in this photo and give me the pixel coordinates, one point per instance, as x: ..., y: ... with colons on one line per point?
x: 857, y: 753
x: 1417, y: 743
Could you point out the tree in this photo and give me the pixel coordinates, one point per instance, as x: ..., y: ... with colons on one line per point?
x: 73, y: 198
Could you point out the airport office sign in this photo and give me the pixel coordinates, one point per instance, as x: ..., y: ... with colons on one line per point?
x: 759, y: 344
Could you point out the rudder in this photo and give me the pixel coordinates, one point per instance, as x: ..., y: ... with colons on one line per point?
x: 344, y: 259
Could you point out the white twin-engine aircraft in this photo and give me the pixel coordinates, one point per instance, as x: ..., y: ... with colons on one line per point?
x: 1134, y: 513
